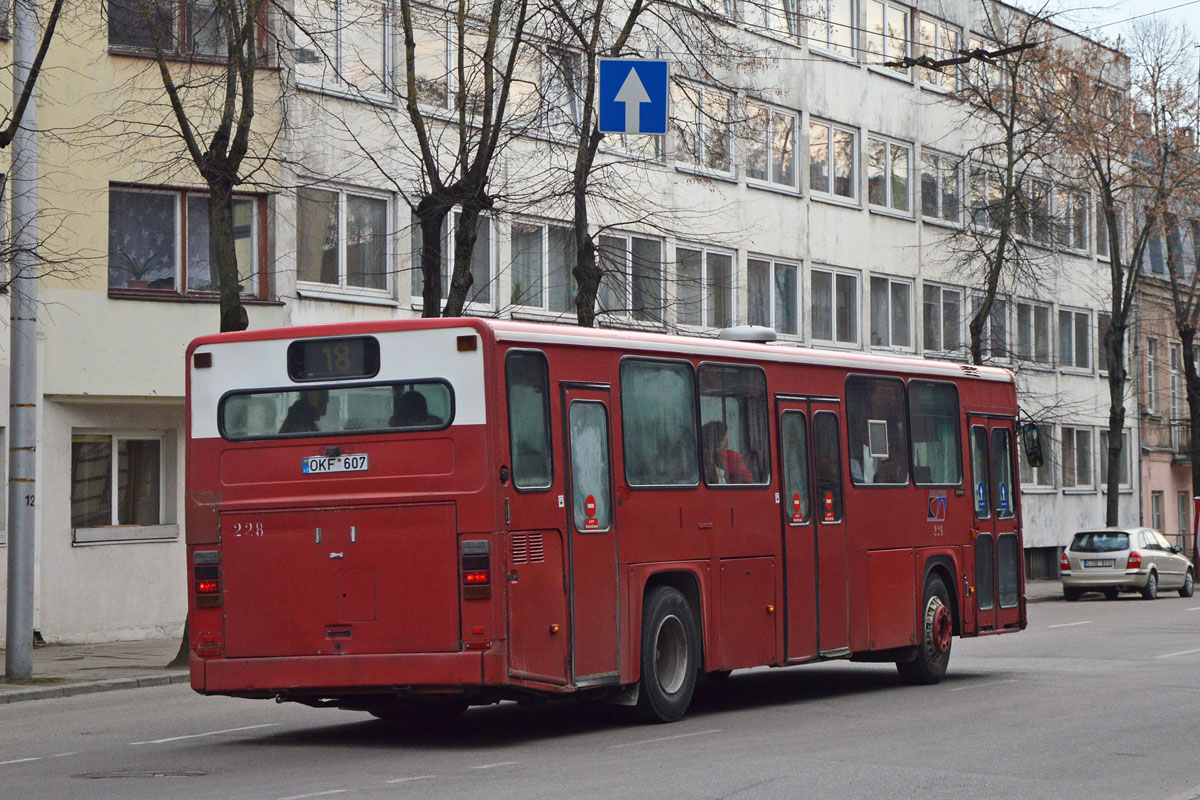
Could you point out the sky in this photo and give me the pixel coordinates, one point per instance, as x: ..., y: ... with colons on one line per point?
x: 1083, y: 14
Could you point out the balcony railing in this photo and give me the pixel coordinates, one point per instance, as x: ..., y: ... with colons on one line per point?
x: 1181, y: 439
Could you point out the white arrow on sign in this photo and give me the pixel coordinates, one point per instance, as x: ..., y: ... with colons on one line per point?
x: 632, y: 93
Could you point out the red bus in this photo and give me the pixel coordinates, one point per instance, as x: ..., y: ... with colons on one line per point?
x: 409, y: 517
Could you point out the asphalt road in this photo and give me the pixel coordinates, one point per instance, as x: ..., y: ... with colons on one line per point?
x: 1096, y: 700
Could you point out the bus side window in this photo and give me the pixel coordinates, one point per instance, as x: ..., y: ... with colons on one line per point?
x: 828, y: 466
x: 658, y: 423
x: 1002, y: 482
x: 529, y: 419
x: 733, y: 425
x: 875, y: 423
x: 936, y: 436
x: 793, y: 438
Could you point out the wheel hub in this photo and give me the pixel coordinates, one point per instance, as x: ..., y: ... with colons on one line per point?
x: 670, y: 655
x: 938, y: 626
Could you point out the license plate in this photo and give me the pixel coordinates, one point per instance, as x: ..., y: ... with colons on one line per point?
x: 1098, y: 562
x: 320, y: 465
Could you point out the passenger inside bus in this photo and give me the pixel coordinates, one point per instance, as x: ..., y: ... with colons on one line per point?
x: 722, y: 465
x: 303, y: 414
x: 411, y: 410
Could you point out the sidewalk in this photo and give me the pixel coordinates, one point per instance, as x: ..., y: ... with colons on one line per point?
x: 71, y: 669
x: 65, y: 670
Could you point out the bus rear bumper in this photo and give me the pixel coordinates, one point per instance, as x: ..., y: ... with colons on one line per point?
x: 351, y: 674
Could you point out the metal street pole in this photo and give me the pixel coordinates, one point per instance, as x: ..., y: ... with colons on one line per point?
x: 22, y: 404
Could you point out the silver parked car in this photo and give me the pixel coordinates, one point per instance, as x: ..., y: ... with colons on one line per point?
x: 1112, y: 560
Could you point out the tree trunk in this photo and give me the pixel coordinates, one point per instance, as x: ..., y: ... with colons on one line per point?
x: 431, y: 216
x: 461, y: 278
x: 587, y: 272
x: 1114, y: 346
x: 222, y: 255
x: 1187, y: 334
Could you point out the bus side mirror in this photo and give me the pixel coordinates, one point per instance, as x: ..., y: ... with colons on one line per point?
x: 1033, y: 444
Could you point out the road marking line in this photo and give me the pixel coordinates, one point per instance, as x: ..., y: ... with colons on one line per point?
x: 413, y: 778
x: 1197, y: 608
x: 662, y: 739
x: 209, y: 733
x: 20, y: 761
x: 1070, y: 624
x: 982, y: 685
x: 314, y: 794
x: 497, y: 764
x: 1180, y: 653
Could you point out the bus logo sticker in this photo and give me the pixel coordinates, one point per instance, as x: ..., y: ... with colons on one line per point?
x: 322, y: 465
x: 829, y: 507
x: 937, y: 506
x: 589, y: 508
x: 797, y: 516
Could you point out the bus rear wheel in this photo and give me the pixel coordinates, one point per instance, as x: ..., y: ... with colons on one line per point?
x: 670, y: 655
x: 932, y: 656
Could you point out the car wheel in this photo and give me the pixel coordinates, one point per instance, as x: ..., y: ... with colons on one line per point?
x: 1111, y: 594
x: 1188, y: 585
x: 1150, y: 590
x: 933, y: 654
x: 670, y: 655
x: 1071, y: 593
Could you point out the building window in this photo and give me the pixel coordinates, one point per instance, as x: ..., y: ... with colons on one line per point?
x: 1175, y: 387
x: 342, y: 239
x: 834, y: 310
x: 1103, y: 323
x: 774, y: 292
x: 831, y: 160
x: 831, y: 25
x: 994, y: 335
x: 561, y: 91
x: 543, y: 258
x: 1152, y: 375
x: 943, y: 318
x: 343, y: 45
x: 1182, y: 512
x: 1033, y: 332
x: 938, y: 41
x: 1076, y: 458
x: 1074, y: 339
x: 891, y: 313
x: 941, y: 177
x: 1043, y: 476
x: 770, y: 146
x: 1156, y: 510
x: 482, y: 260
x: 986, y: 198
x: 431, y: 59
x: 116, y: 479
x: 705, y: 287
x: 158, y: 240
x: 775, y: 16
x: 631, y: 284
x: 1032, y: 211
x: 887, y: 33
x: 1072, y: 219
x: 888, y: 167
x: 1123, y: 475
x: 187, y: 28
x: 701, y: 124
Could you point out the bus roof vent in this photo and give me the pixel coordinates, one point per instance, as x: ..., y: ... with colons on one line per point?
x: 748, y: 333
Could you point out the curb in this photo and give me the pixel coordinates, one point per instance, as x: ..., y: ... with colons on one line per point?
x: 91, y: 687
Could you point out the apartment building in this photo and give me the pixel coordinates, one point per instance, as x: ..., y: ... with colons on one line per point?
x: 812, y: 189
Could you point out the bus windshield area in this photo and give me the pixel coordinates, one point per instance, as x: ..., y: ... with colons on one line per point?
x: 326, y: 410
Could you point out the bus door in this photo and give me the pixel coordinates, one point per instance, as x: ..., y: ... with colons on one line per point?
x: 592, y: 535
x: 799, y: 537
x: 998, y: 557
x: 833, y: 603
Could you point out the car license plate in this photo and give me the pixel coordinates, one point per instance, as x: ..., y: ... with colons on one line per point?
x: 1098, y: 562
x: 319, y: 465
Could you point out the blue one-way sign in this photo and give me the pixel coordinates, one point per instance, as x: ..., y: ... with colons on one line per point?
x: 633, y: 95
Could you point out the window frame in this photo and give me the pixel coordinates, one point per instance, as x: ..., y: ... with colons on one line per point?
x: 773, y: 300
x: 1075, y: 314
x: 544, y: 227
x: 941, y: 319
x: 787, y: 9
x: 637, y: 315
x: 335, y: 83
x: 1151, y: 362
x: 706, y: 287
x: 957, y: 163
x: 769, y: 181
x: 1040, y: 479
x: 703, y: 122
x: 1126, y: 457
x: 824, y: 45
x: 1070, y: 483
x: 901, y: 73
x: 1069, y: 202
x: 116, y: 532
x: 342, y: 290
x: 889, y: 199
x: 449, y: 228
x: 893, y: 281
x: 1031, y: 358
x: 180, y: 290
x: 830, y: 194
x: 1000, y: 311
x: 939, y: 51
x: 182, y: 33
x: 856, y: 316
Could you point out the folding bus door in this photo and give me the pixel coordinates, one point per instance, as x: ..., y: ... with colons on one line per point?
x: 799, y: 537
x: 592, y: 538
x: 833, y: 618
x: 998, y: 557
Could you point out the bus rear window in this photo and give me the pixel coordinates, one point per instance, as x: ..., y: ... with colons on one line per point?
x: 398, y: 406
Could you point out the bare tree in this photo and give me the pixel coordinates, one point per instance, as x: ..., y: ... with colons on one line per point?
x: 211, y: 93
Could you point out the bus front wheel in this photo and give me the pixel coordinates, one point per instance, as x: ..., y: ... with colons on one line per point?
x: 932, y: 655
x: 670, y: 655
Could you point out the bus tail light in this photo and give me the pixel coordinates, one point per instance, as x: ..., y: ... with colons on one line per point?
x: 1065, y: 563
x: 475, y: 564
x: 207, y: 578
x: 1134, y: 561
